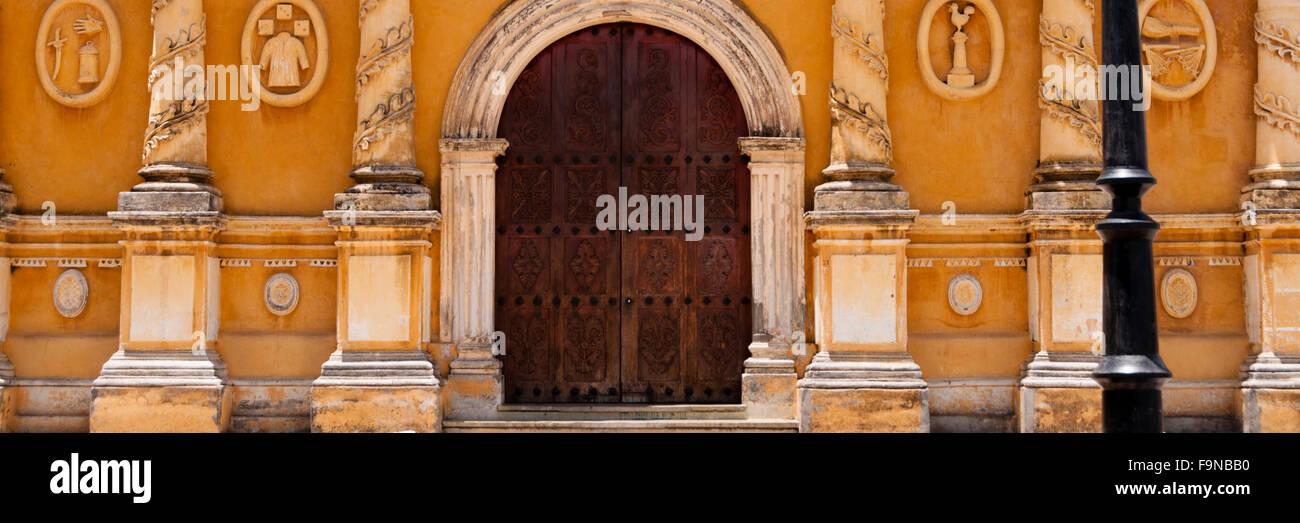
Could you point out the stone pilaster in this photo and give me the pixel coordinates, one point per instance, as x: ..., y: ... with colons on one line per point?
x: 861, y: 145
x: 1069, y: 155
x: 7, y: 392
x: 177, y: 178
x: 1270, y: 392
x: 474, y: 388
x: 768, y: 384
x: 863, y: 379
x: 381, y: 378
x: 383, y: 149
x: 1057, y: 392
x: 167, y: 375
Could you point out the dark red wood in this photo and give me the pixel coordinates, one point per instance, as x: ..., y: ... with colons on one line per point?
x: 607, y: 316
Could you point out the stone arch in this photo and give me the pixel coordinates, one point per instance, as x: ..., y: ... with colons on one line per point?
x: 503, y: 49
x: 526, y: 27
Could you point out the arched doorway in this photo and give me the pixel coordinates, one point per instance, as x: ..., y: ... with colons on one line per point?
x: 594, y: 315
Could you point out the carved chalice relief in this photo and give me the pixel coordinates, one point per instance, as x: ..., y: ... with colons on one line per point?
x: 288, y: 41
x: 974, y: 49
x: 1179, y: 44
x: 78, y: 51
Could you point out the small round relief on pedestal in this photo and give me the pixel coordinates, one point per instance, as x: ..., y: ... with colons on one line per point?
x: 281, y: 294
x: 965, y: 294
x: 71, y: 291
x: 1178, y: 293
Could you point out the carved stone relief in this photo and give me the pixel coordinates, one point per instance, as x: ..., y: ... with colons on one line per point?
x: 958, y: 80
x: 288, y: 40
x: 1178, y: 292
x: 965, y: 294
x: 281, y: 294
x: 1180, y: 44
x: 78, y: 51
x: 71, y: 291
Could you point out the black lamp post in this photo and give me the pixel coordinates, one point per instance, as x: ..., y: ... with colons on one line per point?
x: 1131, y: 373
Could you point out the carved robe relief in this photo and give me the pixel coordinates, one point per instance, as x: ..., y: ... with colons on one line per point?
x: 963, y: 72
x: 78, y: 51
x: 288, y: 41
x: 1179, y: 44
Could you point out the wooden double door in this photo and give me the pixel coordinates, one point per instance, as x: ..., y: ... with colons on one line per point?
x: 598, y: 315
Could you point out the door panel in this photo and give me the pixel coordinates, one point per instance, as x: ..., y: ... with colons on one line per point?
x: 604, y: 316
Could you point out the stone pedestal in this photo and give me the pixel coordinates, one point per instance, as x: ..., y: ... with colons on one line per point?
x: 167, y: 375
x: 380, y: 378
x: 1270, y: 388
x: 1057, y: 392
x: 863, y: 380
x: 7, y: 391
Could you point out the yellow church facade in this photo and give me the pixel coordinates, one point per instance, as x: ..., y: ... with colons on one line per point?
x: 388, y: 215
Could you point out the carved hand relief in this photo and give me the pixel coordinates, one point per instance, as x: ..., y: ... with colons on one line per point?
x: 1178, y: 293
x: 288, y: 40
x: 71, y: 291
x: 1180, y: 44
x: 965, y: 294
x: 78, y: 51
x: 966, y: 62
x: 281, y: 294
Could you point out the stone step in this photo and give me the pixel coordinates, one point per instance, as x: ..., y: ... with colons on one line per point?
x: 678, y: 425
x: 618, y: 411
x: 51, y: 423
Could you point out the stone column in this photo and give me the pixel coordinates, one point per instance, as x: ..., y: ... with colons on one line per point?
x: 863, y: 379
x: 381, y: 378
x: 1062, y: 208
x: 768, y: 384
x: 7, y: 391
x: 1069, y: 155
x: 383, y: 149
x: 474, y: 388
x: 167, y: 375
x: 1271, y: 204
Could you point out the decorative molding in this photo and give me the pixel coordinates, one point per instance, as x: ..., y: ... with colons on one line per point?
x: 866, y: 47
x: 79, y: 263
x: 280, y: 263
x: 847, y: 108
x: 109, y: 263
x: 965, y: 294
x: 71, y: 292
x: 1175, y: 261
x: 1078, y: 114
x: 1178, y: 293
x: 29, y: 262
x: 384, y: 119
x: 1277, y: 39
x: 89, y: 39
x: 395, y: 44
x: 324, y: 263
x: 1277, y: 111
x: 1225, y: 261
x: 926, y: 263
x: 236, y: 262
x: 1066, y: 41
